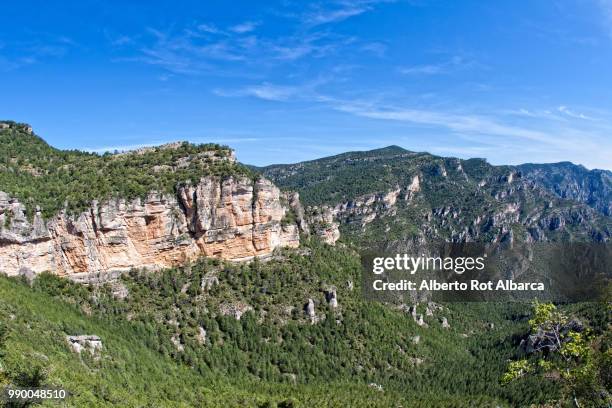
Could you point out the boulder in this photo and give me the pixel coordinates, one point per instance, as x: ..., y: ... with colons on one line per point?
x: 201, y: 337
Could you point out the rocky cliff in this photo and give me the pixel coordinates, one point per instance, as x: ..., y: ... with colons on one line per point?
x: 569, y: 181
x: 231, y: 217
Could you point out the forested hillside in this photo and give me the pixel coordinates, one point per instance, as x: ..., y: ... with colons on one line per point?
x: 174, y: 336
x: 331, y: 180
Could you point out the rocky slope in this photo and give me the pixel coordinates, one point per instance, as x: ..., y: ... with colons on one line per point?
x: 569, y: 181
x: 232, y: 218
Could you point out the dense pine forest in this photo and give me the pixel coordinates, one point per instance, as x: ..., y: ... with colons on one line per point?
x: 361, y: 353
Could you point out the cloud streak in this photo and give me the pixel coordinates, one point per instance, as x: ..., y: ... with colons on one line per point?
x: 331, y: 16
x: 29, y: 52
x: 208, y: 49
x: 336, y: 11
x: 245, y: 27
x: 568, y: 112
x: 459, y: 123
x: 445, y: 67
x: 264, y: 91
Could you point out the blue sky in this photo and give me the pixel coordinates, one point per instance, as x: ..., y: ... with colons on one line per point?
x: 286, y: 81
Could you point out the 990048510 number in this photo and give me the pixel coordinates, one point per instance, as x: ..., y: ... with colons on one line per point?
x: 33, y: 394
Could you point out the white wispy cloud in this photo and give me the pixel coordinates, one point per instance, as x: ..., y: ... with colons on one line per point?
x: 455, y: 122
x: 567, y: 111
x: 559, y: 113
x: 205, y: 47
x: 208, y: 28
x: 245, y: 27
x: 268, y: 92
x: 186, y: 52
x: 430, y: 69
x: 330, y: 16
x: 35, y: 50
x: 315, y: 45
x: 444, y: 67
x: 336, y: 11
x: 117, y: 40
x: 271, y: 93
x: 463, y: 123
x: 528, y: 113
x: 275, y: 92
x: 377, y: 48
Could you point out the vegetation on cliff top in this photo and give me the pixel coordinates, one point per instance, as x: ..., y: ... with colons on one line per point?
x: 40, y: 175
x: 334, y: 179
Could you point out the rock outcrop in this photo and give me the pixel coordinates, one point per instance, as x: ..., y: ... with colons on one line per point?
x: 293, y: 201
x: 232, y: 218
x: 91, y: 343
x: 325, y: 220
x: 309, y: 309
x: 201, y: 337
x: 332, y: 297
x: 236, y: 310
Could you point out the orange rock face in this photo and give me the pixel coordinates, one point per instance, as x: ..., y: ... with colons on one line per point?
x: 232, y: 218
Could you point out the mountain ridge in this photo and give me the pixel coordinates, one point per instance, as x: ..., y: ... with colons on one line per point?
x: 392, y: 189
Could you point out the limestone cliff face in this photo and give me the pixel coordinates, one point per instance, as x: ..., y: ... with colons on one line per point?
x: 323, y: 224
x: 366, y: 208
x: 232, y: 218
